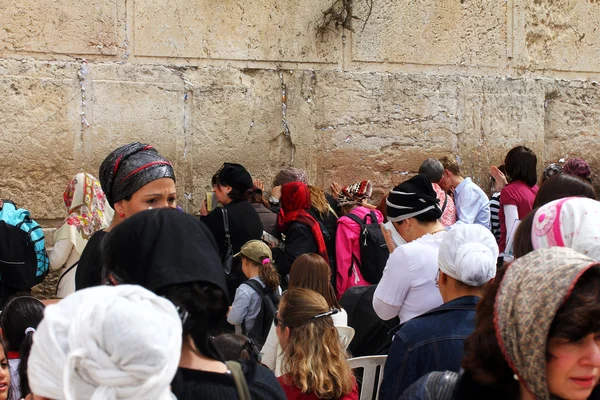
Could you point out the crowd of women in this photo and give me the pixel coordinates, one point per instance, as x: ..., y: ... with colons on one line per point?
x: 151, y: 301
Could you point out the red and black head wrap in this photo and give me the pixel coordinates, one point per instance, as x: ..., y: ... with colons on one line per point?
x: 295, y: 200
x: 130, y: 167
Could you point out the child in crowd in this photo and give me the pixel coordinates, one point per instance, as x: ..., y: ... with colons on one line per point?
x: 18, y: 322
x: 262, y: 277
x: 237, y: 347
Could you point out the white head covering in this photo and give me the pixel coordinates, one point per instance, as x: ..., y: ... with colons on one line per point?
x: 469, y: 254
x: 570, y: 222
x: 106, y: 343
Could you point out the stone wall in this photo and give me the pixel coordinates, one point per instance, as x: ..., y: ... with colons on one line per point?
x: 253, y: 82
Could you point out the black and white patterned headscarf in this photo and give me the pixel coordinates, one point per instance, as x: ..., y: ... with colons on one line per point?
x: 411, y: 198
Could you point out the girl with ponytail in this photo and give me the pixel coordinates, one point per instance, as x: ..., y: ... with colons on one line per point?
x: 257, y: 265
x: 18, y: 322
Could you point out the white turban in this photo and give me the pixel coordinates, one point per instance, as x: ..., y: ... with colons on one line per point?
x: 106, y: 343
x: 469, y: 253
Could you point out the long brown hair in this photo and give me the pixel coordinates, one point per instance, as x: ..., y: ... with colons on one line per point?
x: 267, y: 273
x: 311, y: 271
x: 314, y: 360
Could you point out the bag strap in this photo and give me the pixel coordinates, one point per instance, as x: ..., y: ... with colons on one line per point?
x: 254, y: 284
x: 240, y: 380
x: 356, y: 219
x: 63, y: 275
x: 226, y: 227
x: 373, y: 217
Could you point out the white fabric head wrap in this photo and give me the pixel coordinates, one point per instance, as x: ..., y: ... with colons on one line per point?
x: 570, y: 222
x: 106, y: 343
x: 469, y: 254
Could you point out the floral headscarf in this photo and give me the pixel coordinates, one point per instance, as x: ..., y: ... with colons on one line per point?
x: 570, y: 222
x: 88, y: 211
x: 533, y: 289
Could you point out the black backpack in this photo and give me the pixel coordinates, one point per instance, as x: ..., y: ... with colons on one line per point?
x: 269, y: 302
x: 23, y: 258
x: 374, y: 252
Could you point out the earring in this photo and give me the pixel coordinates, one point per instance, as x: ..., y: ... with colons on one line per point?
x: 121, y: 215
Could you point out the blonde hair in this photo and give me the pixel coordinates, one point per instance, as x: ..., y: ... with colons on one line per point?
x: 319, y: 201
x: 314, y: 360
x: 450, y: 164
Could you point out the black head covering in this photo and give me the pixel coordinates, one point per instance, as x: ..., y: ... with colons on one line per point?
x: 130, y: 167
x: 411, y: 198
x: 236, y: 176
x: 162, y: 247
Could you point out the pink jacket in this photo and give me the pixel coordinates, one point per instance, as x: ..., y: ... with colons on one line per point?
x: 346, y: 245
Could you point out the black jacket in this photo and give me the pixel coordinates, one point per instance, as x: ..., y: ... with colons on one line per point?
x: 298, y: 240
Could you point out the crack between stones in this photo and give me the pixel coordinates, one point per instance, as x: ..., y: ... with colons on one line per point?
x: 286, y: 129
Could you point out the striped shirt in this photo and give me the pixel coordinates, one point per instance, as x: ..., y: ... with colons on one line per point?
x: 494, y: 217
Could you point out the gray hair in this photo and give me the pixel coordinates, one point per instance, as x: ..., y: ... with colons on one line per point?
x: 432, y: 169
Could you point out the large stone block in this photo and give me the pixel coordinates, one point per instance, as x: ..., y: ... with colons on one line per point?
x: 237, y: 116
x: 239, y: 30
x: 65, y: 26
x: 39, y: 116
x: 557, y: 35
x: 432, y: 32
x: 382, y: 126
x: 131, y: 103
x: 572, y: 123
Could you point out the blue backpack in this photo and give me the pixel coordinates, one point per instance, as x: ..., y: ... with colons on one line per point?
x: 23, y: 258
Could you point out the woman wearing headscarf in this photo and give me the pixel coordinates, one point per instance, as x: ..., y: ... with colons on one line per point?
x: 323, y: 208
x: 434, y: 341
x: 407, y: 288
x: 175, y: 256
x: 106, y: 343
x: 303, y: 233
x: 571, y: 222
x: 578, y: 167
x: 536, y: 336
x: 134, y: 177
x: 88, y: 211
x: 347, y: 247
x: 232, y: 186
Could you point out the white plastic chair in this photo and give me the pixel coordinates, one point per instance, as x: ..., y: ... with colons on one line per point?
x: 346, y: 334
x: 370, y: 365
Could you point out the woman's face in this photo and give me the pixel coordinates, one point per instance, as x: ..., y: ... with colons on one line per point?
x: 4, y: 376
x: 221, y: 193
x: 574, y: 367
x: 160, y: 193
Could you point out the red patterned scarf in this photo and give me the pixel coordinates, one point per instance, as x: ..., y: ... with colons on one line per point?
x: 295, y: 200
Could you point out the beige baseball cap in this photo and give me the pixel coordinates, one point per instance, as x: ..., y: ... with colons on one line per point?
x: 255, y: 250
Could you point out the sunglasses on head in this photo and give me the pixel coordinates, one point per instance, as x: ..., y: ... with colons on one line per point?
x: 279, y: 322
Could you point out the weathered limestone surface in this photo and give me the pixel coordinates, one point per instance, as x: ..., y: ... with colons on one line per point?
x: 433, y: 32
x: 66, y: 26
x: 560, y: 35
x: 252, y: 82
x: 236, y: 30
